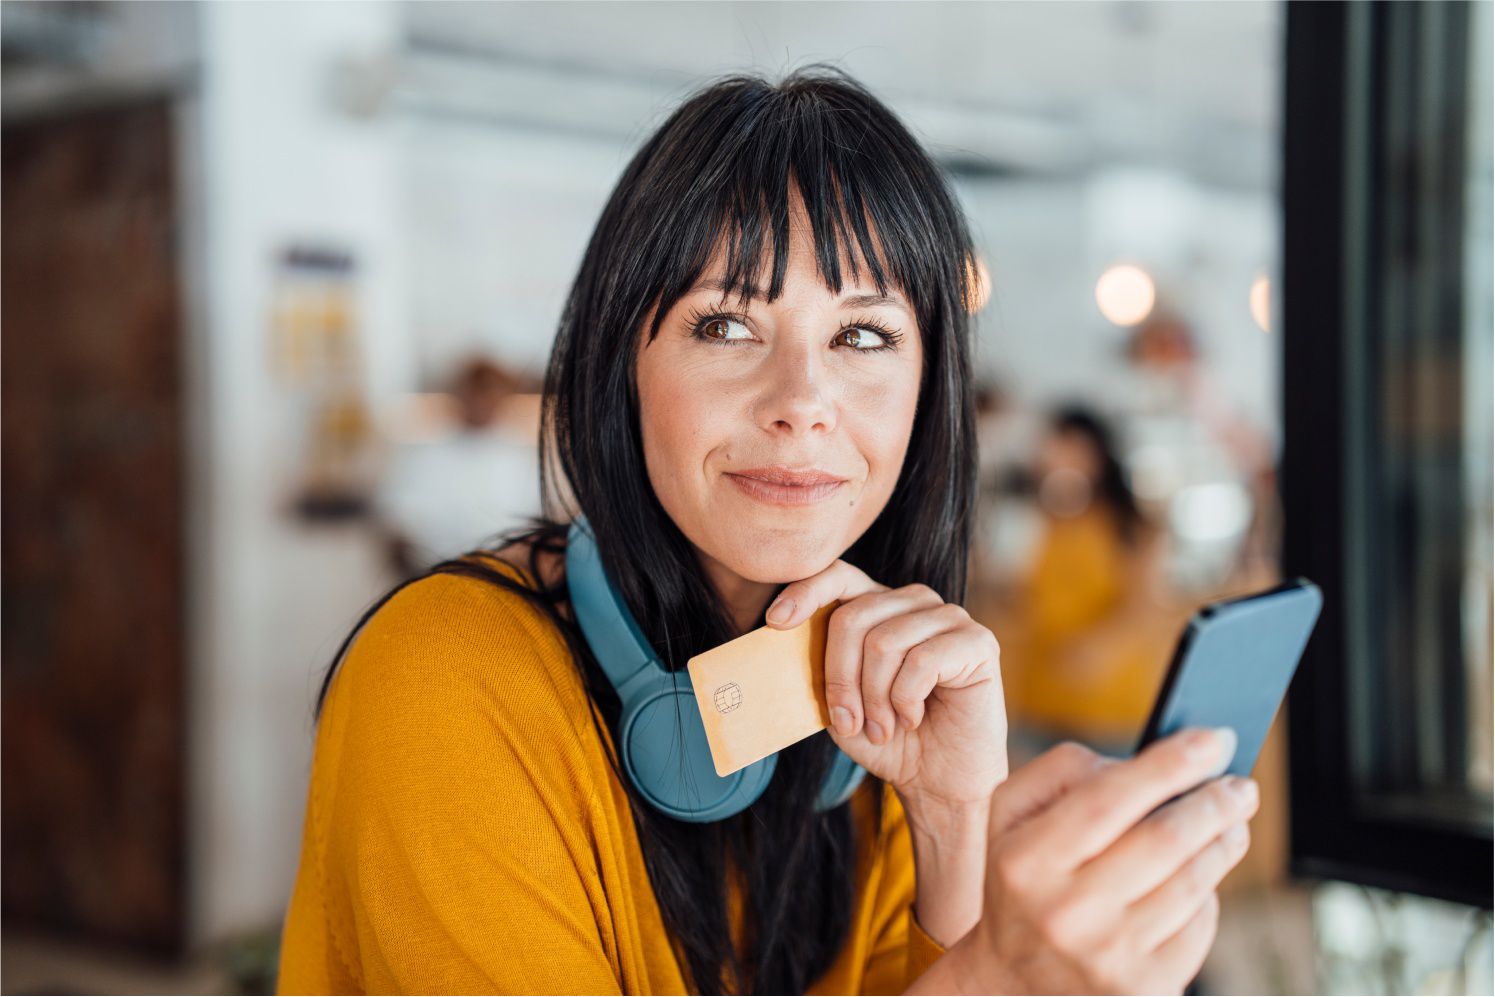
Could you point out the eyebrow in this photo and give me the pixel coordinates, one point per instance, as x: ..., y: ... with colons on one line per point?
x: 849, y: 301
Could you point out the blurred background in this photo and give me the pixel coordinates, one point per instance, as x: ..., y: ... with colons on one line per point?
x: 279, y: 282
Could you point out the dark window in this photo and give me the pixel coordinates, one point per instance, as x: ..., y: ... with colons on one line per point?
x: 1387, y: 440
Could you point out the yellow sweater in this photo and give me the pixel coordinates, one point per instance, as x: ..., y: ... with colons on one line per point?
x: 465, y: 833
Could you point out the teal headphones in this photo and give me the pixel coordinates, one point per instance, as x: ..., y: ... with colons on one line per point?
x: 661, y: 736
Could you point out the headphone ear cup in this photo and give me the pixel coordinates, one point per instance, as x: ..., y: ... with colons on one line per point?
x: 841, y: 780
x: 668, y: 758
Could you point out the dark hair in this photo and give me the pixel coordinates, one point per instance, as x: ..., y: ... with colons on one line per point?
x: 722, y: 163
x: 1112, y: 489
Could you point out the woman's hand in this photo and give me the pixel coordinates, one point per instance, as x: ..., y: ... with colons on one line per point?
x: 912, y: 685
x: 1089, y: 888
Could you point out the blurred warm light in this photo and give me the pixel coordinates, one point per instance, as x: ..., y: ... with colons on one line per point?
x: 980, y: 286
x: 1261, y: 302
x: 1125, y: 294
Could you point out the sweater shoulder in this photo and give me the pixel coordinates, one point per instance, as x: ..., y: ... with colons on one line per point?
x: 463, y: 649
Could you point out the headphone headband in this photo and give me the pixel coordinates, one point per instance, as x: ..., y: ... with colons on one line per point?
x: 611, y: 631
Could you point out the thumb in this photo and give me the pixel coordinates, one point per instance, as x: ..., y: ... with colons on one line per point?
x: 1038, y: 785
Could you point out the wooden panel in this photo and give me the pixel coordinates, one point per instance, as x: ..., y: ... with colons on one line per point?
x: 93, y: 736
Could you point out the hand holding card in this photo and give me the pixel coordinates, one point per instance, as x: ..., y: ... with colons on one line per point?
x: 763, y: 691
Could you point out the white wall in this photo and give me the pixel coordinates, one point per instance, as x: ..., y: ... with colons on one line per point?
x: 277, y: 163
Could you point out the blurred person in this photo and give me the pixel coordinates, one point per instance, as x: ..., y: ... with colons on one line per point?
x: 1086, y: 638
x: 472, y: 477
x: 760, y: 396
x: 1178, y: 418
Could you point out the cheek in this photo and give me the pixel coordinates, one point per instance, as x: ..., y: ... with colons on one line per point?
x: 681, y: 420
x: 879, y: 416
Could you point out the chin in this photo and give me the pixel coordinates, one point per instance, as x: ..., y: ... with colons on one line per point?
x: 779, y: 556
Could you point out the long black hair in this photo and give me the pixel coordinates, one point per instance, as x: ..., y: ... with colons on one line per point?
x: 721, y: 165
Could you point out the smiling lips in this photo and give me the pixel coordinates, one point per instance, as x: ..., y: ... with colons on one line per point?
x: 786, y: 486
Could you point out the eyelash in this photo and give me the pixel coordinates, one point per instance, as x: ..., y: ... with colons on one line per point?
x: 698, y: 320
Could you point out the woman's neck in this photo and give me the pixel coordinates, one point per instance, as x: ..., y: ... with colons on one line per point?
x: 745, y: 600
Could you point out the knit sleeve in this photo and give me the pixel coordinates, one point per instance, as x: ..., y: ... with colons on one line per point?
x: 900, y: 950
x: 452, y: 797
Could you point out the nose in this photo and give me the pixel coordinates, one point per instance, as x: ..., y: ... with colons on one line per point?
x: 796, y: 396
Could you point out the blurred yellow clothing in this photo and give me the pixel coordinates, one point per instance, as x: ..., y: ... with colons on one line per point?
x: 1080, y: 582
x: 465, y: 832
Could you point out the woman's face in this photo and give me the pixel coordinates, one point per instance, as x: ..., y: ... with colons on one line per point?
x: 730, y: 392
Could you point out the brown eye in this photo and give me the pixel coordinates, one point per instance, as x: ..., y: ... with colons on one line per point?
x: 714, y: 328
x: 863, y: 339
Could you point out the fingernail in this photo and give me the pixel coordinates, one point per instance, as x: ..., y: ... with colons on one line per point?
x: 1244, y: 791
x: 1224, y: 749
x: 841, y: 717
x: 874, y: 731
x: 780, y: 611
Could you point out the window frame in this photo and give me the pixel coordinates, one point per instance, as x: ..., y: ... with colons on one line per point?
x: 1340, y: 101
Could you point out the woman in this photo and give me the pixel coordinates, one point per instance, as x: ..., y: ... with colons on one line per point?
x: 759, y: 390
x: 1088, y: 639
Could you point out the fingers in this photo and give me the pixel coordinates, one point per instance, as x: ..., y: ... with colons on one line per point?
x: 1167, y: 910
x: 846, y: 660
x: 1097, y: 812
x: 905, y: 656
x: 1033, y: 788
x: 841, y: 581
x: 1182, y: 956
x: 1155, y: 850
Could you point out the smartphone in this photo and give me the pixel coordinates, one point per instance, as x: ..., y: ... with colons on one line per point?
x: 1232, y: 666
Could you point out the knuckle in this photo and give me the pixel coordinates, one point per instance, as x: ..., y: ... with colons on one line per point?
x: 955, y: 612
x: 1073, y: 754
x: 1204, y: 806
x: 845, y: 619
x: 1171, y: 827
x: 1175, y: 765
x: 841, y: 684
x: 880, y: 641
x: 1091, y: 810
x: 1012, y: 869
x: 1221, y: 798
x: 1060, y: 925
x: 921, y: 592
x: 917, y: 657
x: 905, y: 701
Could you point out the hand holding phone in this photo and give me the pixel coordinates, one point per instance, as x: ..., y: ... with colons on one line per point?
x: 1095, y: 882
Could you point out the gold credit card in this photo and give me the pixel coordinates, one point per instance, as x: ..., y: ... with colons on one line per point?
x: 763, y: 691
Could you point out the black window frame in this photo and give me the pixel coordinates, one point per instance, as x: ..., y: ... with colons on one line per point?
x: 1349, y: 69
